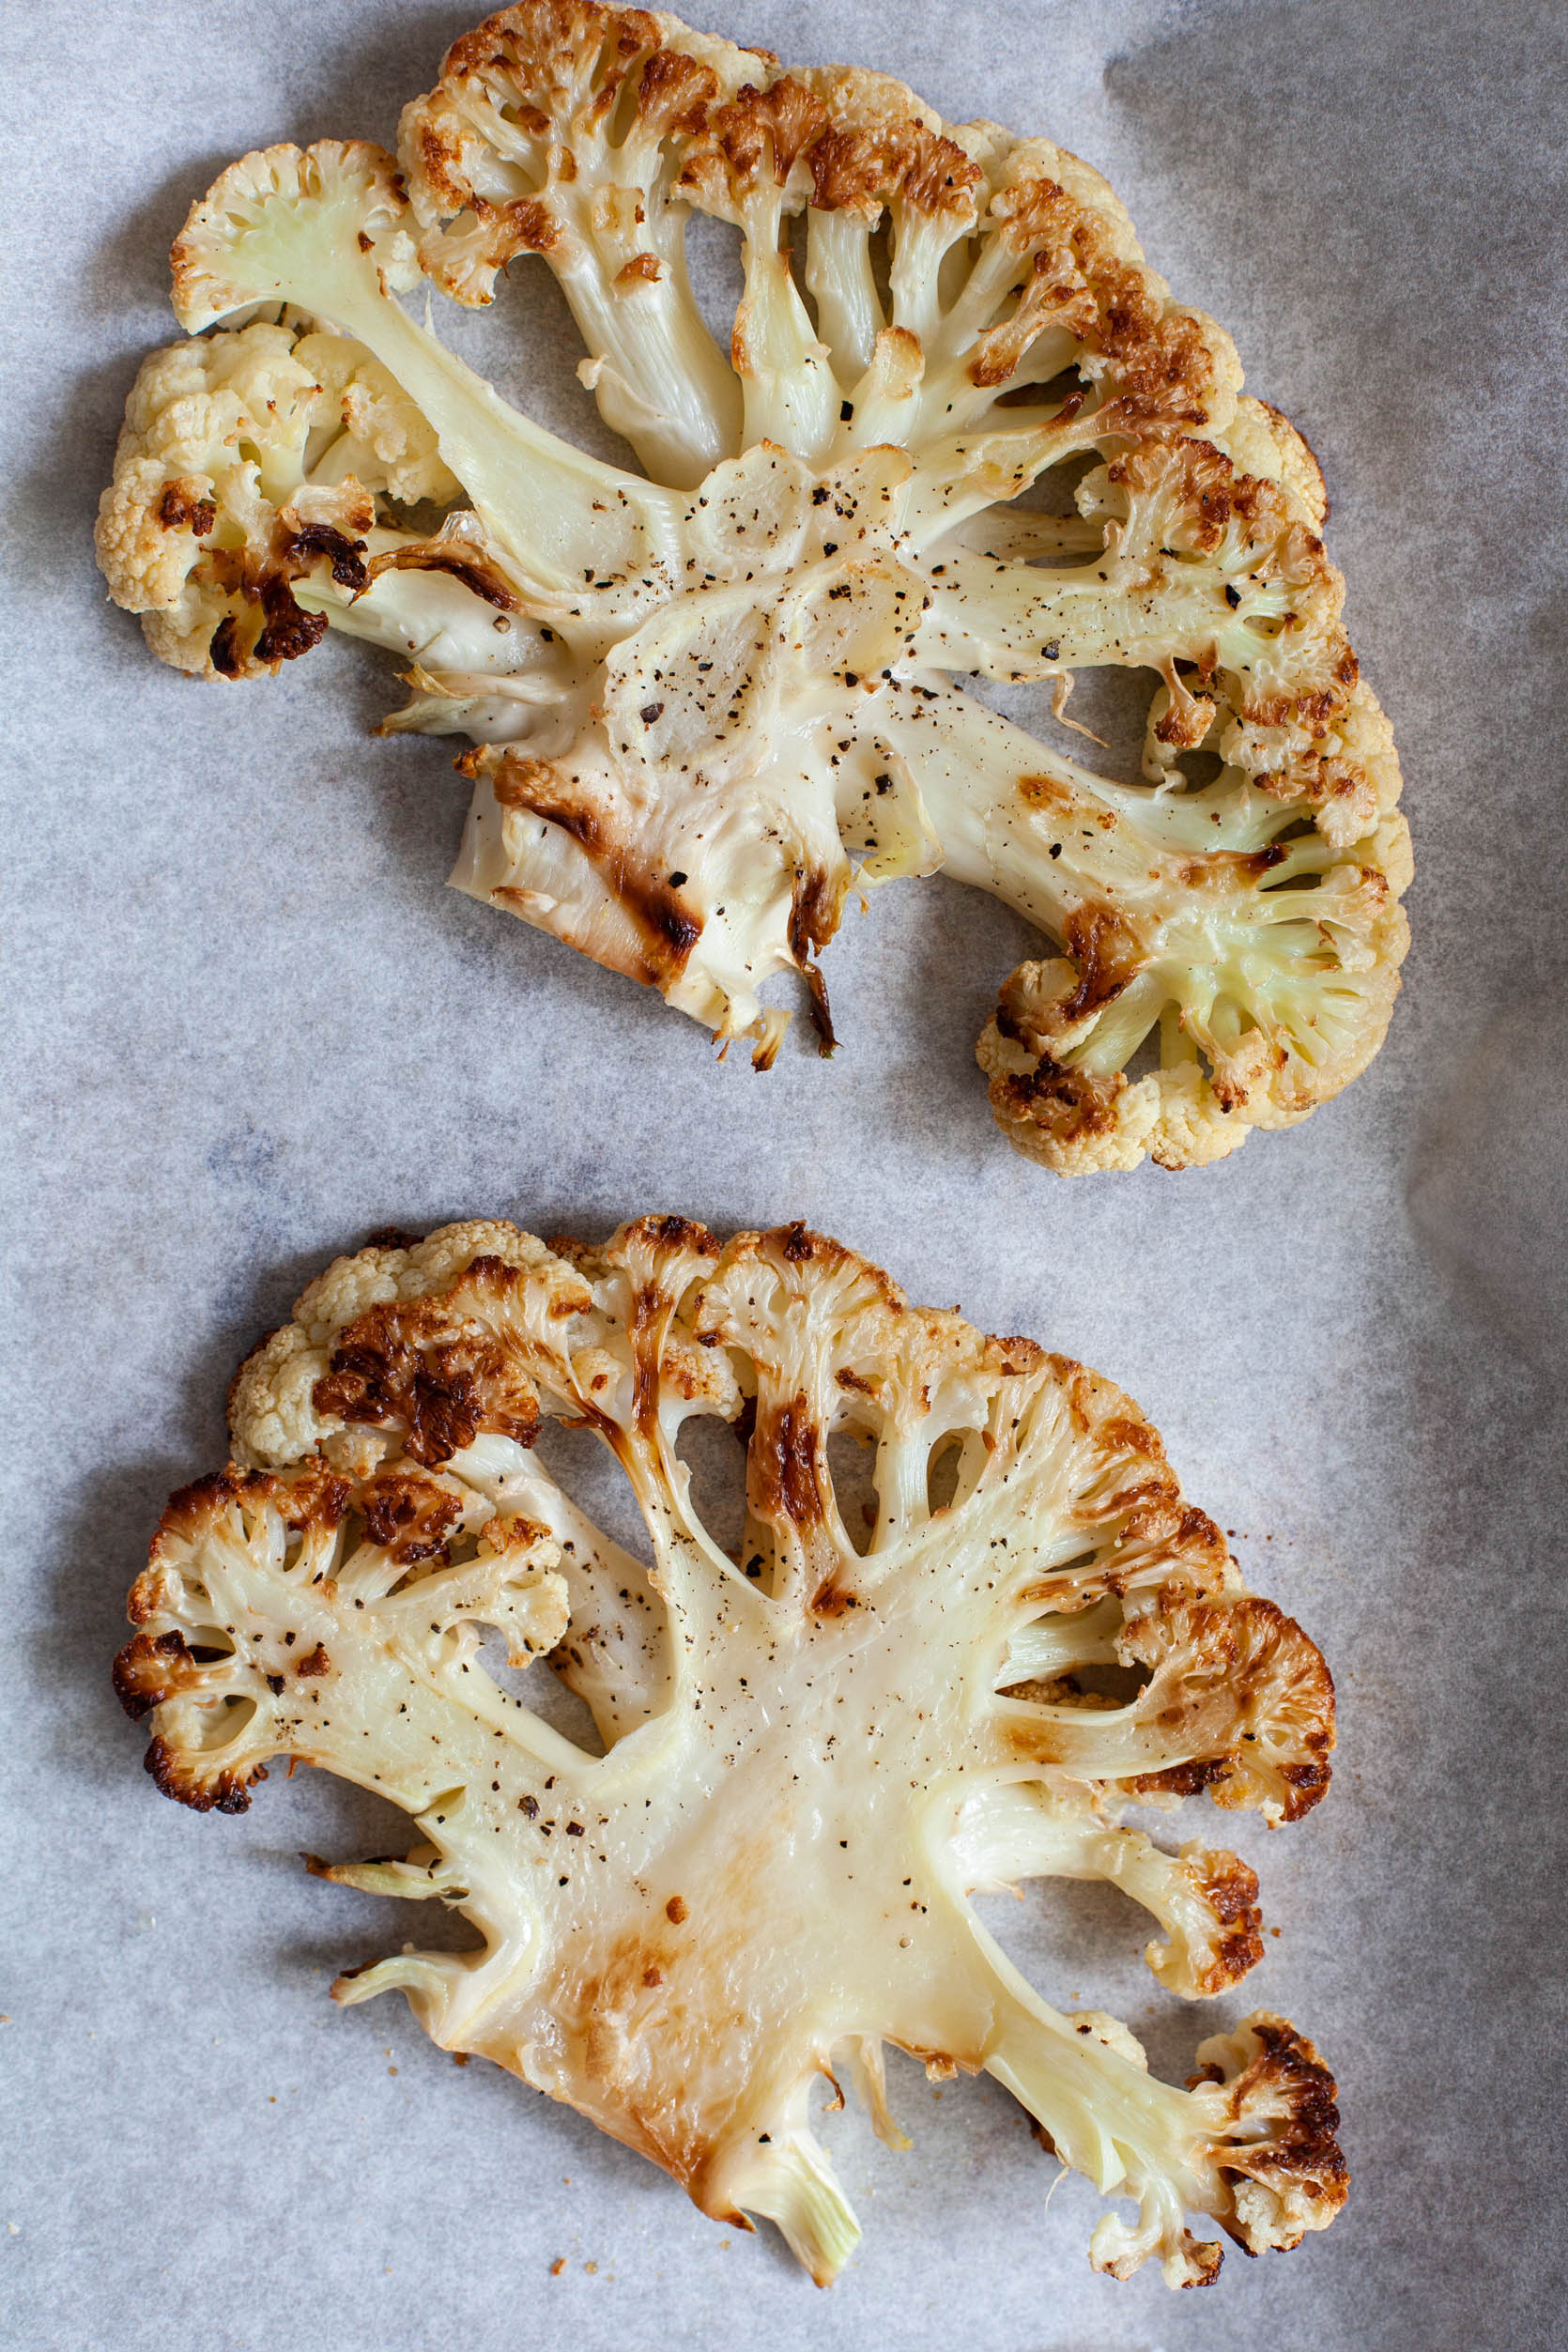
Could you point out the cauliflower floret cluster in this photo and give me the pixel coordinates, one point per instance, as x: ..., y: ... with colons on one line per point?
x: 819, y: 1738
x: 711, y: 698
x: 246, y: 464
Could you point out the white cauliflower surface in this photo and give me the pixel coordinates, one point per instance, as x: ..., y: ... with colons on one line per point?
x: 815, y: 1741
x: 961, y: 432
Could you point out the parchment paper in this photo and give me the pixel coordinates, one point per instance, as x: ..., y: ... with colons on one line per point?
x: 245, y: 1024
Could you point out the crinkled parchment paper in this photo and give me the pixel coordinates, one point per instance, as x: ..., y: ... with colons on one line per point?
x: 244, y: 1023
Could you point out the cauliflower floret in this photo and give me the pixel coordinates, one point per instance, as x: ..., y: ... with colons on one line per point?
x: 816, y: 1748
x: 710, y: 697
x: 384, y: 442
x: 1265, y: 444
x: 248, y: 462
x: 516, y: 152
x: 272, y: 1392
x: 191, y: 532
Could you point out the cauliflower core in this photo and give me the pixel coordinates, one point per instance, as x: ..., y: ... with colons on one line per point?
x: 817, y: 1744
x: 711, y: 697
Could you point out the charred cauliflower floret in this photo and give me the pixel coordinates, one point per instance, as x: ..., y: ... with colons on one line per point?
x: 710, y: 697
x: 820, y: 1736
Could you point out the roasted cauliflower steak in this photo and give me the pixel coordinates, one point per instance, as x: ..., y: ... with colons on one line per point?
x: 710, y: 697
x: 817, y: 1744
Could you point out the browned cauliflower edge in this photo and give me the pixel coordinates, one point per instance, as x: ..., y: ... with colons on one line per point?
x: 823, y: 1728
x: 714, y: 696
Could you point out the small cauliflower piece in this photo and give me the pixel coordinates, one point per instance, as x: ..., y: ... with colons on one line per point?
x: 208, y: 520
x: 817, y: 1746
x: 711, y: 698
x: 257, y: 482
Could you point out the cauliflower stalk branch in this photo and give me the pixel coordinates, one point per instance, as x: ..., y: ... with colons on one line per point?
x: 325, y: 231
x: 557, y: 130
x: 815, y: 1751
x: 706, y: 699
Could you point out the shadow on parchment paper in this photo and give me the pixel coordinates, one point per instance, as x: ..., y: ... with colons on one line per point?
x: 1488, y: 1185
x: 127, y: 271
x: 132, y: 266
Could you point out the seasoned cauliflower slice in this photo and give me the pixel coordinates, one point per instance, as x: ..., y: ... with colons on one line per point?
x: 965, y: 433
x: 819, y: 1738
